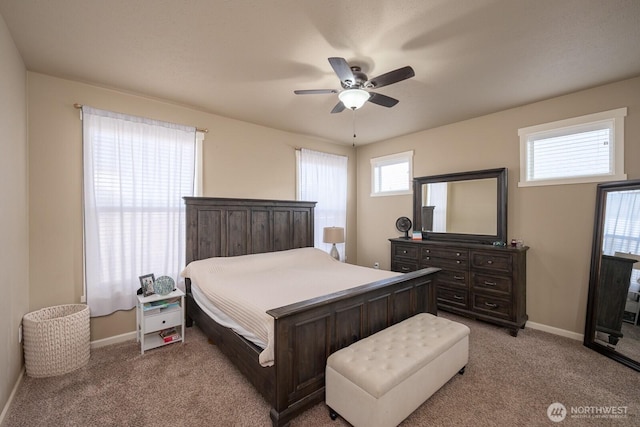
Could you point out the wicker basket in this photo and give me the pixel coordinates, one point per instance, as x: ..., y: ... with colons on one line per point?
x: 56, y: 340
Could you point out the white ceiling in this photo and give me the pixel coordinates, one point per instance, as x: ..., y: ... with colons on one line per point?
x: 243, y: 58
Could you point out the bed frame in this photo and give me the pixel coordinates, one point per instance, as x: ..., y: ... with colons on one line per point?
x: 306, y: 332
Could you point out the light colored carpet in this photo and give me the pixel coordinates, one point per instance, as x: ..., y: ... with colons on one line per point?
x: 508, y: 382
x: 629, y: 344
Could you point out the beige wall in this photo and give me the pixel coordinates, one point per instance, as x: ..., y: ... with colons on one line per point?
x: 240, y: 160
x: 14, y: 211
x: 555, y: 221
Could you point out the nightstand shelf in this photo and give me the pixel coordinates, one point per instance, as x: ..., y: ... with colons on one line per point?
x: 155, y: 313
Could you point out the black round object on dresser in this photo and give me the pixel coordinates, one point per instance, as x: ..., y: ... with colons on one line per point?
x: 404, y: 224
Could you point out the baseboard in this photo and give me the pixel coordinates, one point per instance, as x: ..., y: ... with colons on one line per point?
x: 556, y: 331
x: 113, y: 340
x: 12, y: 395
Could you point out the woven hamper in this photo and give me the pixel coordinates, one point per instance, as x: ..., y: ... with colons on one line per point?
x: 56, y: 340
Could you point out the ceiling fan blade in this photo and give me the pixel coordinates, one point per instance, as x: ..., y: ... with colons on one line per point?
x: 314, y: 91
x: 391, y: 77
x: 384, y: 100
x: 339, y: 108
x: 342, y: 69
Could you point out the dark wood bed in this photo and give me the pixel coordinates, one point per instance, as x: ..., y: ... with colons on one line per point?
x: 306, y: 332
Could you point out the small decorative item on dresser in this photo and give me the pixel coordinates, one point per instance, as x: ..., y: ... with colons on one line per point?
x: 146, y: 282
x: 517, y: 243
x: 163, y: 285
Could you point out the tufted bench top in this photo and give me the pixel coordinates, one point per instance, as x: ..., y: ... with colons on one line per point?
x: 383, y: 360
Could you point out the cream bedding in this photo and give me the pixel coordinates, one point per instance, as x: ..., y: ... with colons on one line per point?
x: 245, y: 287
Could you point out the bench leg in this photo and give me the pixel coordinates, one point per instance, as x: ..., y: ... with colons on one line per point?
x: 333, y: 414
x: 461, y: 371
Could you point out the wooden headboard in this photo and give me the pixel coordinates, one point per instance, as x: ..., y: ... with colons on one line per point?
x: 220, y: 227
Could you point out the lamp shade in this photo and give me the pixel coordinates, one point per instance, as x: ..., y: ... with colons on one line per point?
x: 333, y: 235
x: 354, y: 98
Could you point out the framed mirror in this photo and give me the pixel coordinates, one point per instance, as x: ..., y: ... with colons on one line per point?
x: 612, y: 325
x: 463, y: 206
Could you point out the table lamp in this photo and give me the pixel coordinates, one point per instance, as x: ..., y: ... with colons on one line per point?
x: 333, y: 235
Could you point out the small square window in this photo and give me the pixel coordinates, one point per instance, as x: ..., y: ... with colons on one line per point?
x: 583, y: 149
x: 392, y: 175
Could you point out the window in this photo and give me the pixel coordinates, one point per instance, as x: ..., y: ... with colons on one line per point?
x: 583, y: 149
x: 136, y: 172
x: 621, y: 230
x: 322, y: 178
x: 391, y: 175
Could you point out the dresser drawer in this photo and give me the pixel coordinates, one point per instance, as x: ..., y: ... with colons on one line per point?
x: 156, y: 322
x: 491, y: 284
x: 453, y: 297
x: 454, y: 278
x: 493, y: 261
x: 452, y: 253
x: 461, y: 263
x: 405, y: 251
x: 403, y: 266
x: 496, y: 307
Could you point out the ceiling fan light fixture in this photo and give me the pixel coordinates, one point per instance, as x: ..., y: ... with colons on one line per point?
x: 353, y: 98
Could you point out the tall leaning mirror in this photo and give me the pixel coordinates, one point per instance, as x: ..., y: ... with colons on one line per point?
x: 613, y: 325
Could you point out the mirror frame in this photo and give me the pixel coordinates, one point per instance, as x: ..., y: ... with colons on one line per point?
x: 501, y: 200
x: 602, y: 191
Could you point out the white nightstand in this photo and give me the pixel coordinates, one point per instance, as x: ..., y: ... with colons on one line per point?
x: 156, y: 313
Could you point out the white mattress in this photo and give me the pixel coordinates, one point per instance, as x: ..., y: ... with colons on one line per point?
x: 213, y: 312
x: 244, y: 288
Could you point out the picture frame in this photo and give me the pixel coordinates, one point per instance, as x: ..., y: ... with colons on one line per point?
x: 146, y: 283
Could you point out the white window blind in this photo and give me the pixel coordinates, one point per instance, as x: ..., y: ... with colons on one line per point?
x: 584, y: 149
x: 621, y: 231
x: 391, y: 175
x: 136, y: 172
x: 576, y: 154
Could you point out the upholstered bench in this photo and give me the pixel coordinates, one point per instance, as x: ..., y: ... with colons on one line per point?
x: 380, y: 380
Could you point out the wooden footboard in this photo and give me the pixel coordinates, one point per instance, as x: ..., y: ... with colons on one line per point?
x: 309, y: 331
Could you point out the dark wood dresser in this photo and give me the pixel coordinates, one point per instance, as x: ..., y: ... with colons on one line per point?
x: 480, y: 281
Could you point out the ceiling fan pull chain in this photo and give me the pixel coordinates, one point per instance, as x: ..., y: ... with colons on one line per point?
x: 354, y: 128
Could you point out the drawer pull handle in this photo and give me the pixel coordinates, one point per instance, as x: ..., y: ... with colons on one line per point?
x: 458, y: 297
x: 405, y: 268
x: 458, y: 277
x: 489, y: 262
x: 490, y: 305
x: 457, y: 253
x: 490, y: 283
x: 428, y: 251
x: 404, y: 251
x: 164, y: 321
x: 458, y: 262
x: 427, y: 257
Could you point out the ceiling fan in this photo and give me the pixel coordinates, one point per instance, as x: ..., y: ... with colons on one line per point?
x: 356, y: 86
